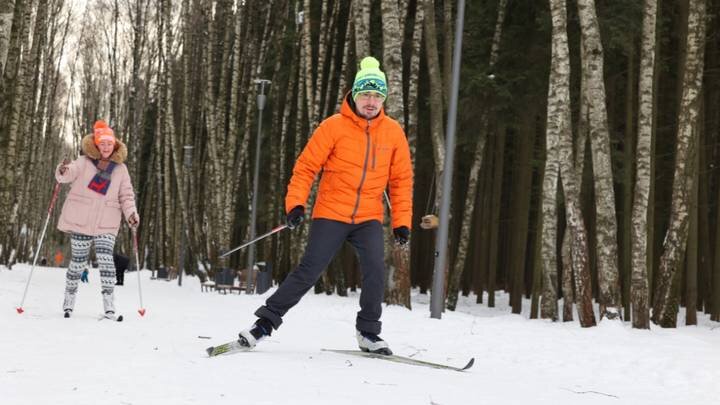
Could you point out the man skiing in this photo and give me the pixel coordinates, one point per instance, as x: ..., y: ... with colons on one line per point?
x: 360, y: 151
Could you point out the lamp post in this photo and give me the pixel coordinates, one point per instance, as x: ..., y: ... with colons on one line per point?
x: 438, y: 287
x: 261, y: 98
x: 183, y: 239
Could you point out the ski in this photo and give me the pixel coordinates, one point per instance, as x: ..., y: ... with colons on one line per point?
x: 227, y: 348
x: 402, y: 360
x: 235, y: 347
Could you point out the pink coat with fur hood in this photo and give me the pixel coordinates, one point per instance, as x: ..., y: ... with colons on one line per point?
x: 86, y: 211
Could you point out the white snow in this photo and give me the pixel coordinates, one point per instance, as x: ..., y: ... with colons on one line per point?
x: 160, y: 358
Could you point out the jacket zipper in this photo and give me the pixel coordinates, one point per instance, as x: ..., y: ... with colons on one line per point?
x: 364, y: 173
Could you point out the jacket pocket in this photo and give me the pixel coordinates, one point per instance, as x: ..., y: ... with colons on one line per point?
x: 77, y: 209
x: 382, y: 156
x: 111, y: 215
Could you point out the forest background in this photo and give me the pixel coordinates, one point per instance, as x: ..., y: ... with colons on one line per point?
x: 586, y: 170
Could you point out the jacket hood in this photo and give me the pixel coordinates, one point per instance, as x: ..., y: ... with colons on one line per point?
x: 348, y: 109
x: 90, y: 150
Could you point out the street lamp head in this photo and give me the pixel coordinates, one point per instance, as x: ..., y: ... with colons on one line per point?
x: 262, y: 84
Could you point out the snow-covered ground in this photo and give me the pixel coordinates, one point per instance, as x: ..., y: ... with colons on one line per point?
x: 160, y: 358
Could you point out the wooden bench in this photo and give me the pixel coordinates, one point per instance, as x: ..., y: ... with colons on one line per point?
x: 207, y: 286
x: 223, y: 288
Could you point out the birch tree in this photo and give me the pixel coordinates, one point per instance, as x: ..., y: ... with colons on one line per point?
x: 361, y: 8
x: 607, y: 247
x: 414, y: 69
x: 639, y: 287
x: 666, y: 299
x: 437, y: 129
x: 7, y: 8
x: 398, y: 274
x: 560, y: 137
x: 559, y: 76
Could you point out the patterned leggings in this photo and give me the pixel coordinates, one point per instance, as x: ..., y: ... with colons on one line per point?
x: 80, y: 245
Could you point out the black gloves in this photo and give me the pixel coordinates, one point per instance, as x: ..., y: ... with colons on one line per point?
x: 295, y: 216
x: 402, y: 234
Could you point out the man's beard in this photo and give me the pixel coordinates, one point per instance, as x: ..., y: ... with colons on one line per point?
x: 369, y: 114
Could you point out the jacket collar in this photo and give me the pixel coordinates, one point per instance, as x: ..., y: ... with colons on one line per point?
x: 90, y: 150
x: 348, y: 109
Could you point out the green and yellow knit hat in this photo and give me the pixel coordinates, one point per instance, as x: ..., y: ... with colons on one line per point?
x: 369, y: 78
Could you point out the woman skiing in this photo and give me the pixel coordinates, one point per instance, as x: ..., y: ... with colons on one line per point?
x: 101, y: 191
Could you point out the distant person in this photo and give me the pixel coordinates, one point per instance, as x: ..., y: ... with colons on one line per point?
x: 101, y: 192
x: 59, y: 258
x: 121, y: 264
x: 43, y: 261
x: 84, y: 276
x: 361, y: 152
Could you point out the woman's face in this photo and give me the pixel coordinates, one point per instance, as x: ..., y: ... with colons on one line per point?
x: 106, y: 148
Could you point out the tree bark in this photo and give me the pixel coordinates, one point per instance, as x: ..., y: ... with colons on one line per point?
x: 437, y: 130
x: 362, y: 28
x: 392, y: 60
x: 665, y: 303
x: 559, y: 126
x: 7, y: 8
x: 559, y: 74
x: 607, y: 246
x: 413, y: 77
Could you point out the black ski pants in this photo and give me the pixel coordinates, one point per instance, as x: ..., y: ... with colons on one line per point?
x: 326, y: 238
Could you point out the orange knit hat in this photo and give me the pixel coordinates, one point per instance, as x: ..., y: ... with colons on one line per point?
x: 102, y: 132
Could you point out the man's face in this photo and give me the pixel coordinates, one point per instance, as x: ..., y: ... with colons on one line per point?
x: 368, y: 104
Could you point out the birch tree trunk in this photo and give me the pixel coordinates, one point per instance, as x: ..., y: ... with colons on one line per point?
x: 639, y: 285
x: 448, y: 45
x: 321, y: 79
x: 7, y: 8
x: 665, y: 303
x: 412, y: 96
x: 607, y: 246
x: 15, y: 93
x: 437, y: 129
x: 559, y: 136
x: 559, y: 75
x: 397, y: 290
x: 349, y: 39
x: 310, y: 83
x: 361, y: 9
x: 392, y: 60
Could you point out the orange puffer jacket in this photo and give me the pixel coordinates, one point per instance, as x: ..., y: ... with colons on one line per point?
x: 359, y: 159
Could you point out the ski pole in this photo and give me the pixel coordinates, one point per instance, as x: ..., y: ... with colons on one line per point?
x: 141, y: 311
x: 259, y: 238
x: 54, y: 198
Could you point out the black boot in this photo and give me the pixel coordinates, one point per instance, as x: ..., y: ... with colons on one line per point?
x: 260, y: 329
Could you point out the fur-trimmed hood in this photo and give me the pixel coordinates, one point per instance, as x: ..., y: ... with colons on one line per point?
x: 90, y: 150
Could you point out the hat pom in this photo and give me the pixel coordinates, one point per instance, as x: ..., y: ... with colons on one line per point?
x: 369, y: 63
x: 100, y: 124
